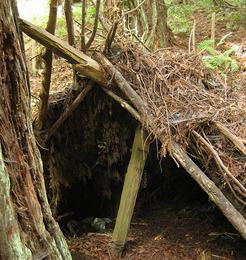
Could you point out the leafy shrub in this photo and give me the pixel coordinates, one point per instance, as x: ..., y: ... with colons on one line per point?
x: 216, y: 60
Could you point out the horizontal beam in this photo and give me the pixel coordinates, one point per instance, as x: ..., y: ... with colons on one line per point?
x: 83, y: 63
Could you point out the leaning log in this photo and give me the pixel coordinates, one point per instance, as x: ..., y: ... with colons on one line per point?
x: 131, y: 186
x: 232, y: 138
x: 87, y: 66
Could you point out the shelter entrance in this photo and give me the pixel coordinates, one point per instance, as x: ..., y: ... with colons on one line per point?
x: 85, y: 172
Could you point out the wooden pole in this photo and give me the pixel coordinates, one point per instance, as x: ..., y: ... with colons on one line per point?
x: 132, y: 182
x: 213, y: 29
x: 87, y: 66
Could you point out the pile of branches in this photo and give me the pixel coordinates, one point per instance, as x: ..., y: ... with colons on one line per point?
x: 188, y: 104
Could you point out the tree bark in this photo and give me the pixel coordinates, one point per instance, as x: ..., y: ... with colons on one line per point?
x: 152, y: 24
x: 69, y: 22
x: 27, y: 228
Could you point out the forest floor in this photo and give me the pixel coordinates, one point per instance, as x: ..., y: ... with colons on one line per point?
x: 170, y: 231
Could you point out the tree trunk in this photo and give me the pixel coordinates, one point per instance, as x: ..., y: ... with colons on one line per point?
x: 152, y: 24
x: 27, y: 228
x: 46, y: 77
x: 69, y: 22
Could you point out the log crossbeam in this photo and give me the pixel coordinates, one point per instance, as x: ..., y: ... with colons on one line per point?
x: 88, y: 67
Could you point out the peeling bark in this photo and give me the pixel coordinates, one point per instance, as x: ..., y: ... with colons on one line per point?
x: 27, y: 228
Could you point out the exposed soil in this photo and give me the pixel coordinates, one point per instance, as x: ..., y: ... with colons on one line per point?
x: 170, y: 232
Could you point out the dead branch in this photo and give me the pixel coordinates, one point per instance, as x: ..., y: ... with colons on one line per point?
x: 68, y: 112
x: 91, y: 39
x: 123, y: 103
x: 219, y: 161
x: 231, y: 137
x: 122, y: 84
x: 88, y: 67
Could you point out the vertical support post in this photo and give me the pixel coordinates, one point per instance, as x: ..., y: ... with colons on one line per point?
x: 213, y: 29
x: 131, y: 186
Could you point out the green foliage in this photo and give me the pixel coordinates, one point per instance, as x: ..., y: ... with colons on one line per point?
x: 181, y: 16
x: 77, y: 13
x: 178, y: 17
x: 61, y: 29
x: 216, y: 60
x: 235, y: 20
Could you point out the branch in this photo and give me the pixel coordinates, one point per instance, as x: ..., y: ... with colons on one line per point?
x: 233, y: 138
x: 214, y: 193
x: 124, y: 104
x: 68, y: 112
x: 88, y: 44
x: 88, y: 67
x: 83, y: 26
x: 219, y: 161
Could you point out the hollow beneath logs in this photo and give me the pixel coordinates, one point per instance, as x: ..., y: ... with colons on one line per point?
x: 86, y: 161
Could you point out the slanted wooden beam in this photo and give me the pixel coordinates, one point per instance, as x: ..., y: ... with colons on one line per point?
x: 85, y: 65
x: 131, y: 186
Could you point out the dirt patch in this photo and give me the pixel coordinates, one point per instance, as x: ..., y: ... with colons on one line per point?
x: 183, y: 232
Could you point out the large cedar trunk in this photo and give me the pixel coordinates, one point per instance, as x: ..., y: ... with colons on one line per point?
x: 27, y: 228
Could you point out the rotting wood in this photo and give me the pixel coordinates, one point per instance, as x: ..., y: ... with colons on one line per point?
x: 131, y: 186
x: 68, y: 112
x: 231, y: 137
x: 87, y: 66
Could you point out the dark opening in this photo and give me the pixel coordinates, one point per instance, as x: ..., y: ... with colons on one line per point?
x: 88, y: 158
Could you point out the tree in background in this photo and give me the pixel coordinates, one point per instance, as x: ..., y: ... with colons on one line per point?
x: 150, y: 23
x: 27, y: 228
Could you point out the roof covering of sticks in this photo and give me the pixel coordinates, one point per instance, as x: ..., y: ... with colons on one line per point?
x: 194, y: 107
